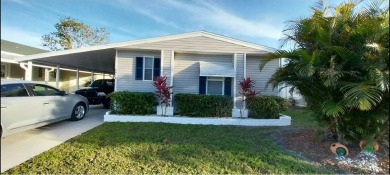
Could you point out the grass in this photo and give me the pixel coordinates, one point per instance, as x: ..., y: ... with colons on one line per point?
x: 150, y: 148
x: 301, y: 118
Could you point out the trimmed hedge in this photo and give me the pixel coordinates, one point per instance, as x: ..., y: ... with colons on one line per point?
x: 135, y: 103
x: 283, y: 103
x: 266, y: 107
x: 195, y: 105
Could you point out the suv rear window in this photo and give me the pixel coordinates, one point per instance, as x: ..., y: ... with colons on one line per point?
x: 13, y: 90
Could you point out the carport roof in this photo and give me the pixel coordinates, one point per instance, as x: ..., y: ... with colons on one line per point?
x: 102, y: 58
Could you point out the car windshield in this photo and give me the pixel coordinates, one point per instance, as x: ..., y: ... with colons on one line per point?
x: 100, y: 83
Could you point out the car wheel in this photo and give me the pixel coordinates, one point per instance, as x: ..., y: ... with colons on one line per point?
x: 78, y: 112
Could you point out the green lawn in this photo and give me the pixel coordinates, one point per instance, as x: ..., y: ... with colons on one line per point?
x: 301, y: 118
x: 149, y: 148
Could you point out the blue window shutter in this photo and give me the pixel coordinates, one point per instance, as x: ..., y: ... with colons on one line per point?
x: 157, y: 67
x: 202, y: 85
x: 139, y: 64
x: 228, y: 86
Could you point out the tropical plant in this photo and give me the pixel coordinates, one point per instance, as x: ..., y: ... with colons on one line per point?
x: 163, y: 92
x: 71, y: 33
x: 246, y: 92
x: 340, y: 64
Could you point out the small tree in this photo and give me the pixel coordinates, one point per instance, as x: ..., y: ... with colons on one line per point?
x: 163, y: 92
x: 246, y: 92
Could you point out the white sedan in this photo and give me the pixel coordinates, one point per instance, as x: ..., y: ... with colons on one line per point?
x: 26, y: 105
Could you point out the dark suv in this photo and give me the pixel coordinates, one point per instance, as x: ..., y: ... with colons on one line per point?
x: 97, y: 92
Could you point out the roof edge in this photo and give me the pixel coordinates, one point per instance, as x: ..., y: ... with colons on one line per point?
x: 148, y: 40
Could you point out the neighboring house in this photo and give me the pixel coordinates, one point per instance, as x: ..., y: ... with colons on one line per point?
x: 11, y: 69
x: 196, y: 62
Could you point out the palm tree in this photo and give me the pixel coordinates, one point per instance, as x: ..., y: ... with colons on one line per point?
x: 340, y: 64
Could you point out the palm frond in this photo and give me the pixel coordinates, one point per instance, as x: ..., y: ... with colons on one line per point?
x: 381, y: 78
x: 305, y: 70
x: 333, y: 109
x: 363, y: 96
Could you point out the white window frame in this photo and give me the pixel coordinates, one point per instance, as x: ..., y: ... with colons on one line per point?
x: 7, y: 70
x: 143, y: 67
x: 222, y: 79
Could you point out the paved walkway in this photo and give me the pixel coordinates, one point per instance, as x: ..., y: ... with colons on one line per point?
x: 20, y: 147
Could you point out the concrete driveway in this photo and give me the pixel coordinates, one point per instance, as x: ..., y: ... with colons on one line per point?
x: 20, y: 147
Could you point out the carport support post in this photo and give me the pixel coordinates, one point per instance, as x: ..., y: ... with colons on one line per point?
x: 92, y: 76
x: 47, y: 74
x: 77, y: 78
x: 58, y: 77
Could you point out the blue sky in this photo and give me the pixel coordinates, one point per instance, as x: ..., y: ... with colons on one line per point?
x: 256, y: 21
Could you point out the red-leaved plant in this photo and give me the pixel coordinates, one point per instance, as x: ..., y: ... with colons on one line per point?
x: 163, y: 92
x: 246, y: 91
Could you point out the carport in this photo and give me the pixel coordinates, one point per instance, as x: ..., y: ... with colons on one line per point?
x: 95, y: 59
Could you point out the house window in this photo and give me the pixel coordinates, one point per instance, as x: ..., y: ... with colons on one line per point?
x: 215, y: 86
x: 147, y: 67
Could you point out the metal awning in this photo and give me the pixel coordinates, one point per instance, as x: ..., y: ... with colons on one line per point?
x: 211, y: 69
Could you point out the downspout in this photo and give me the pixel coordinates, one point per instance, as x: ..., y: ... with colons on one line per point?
x: 47, y: 76
x: 235, y: 80
x: 172, y: 72
x: 28, y: 70
x: 58, y: 77
x: 77, y: 79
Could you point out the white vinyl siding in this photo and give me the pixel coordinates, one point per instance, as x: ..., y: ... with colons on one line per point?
x: 261, y: 78
x: 197, y: 44
x: 166, y: 65
x: 186, y: 70
x: 125, y: 74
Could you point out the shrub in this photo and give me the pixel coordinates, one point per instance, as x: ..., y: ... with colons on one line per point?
x: 282, y: 102
x: 139, y: 103
x: 266, y: 107
x: 195, y: 105
x: 246, y: 92
x: 163, y: 92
